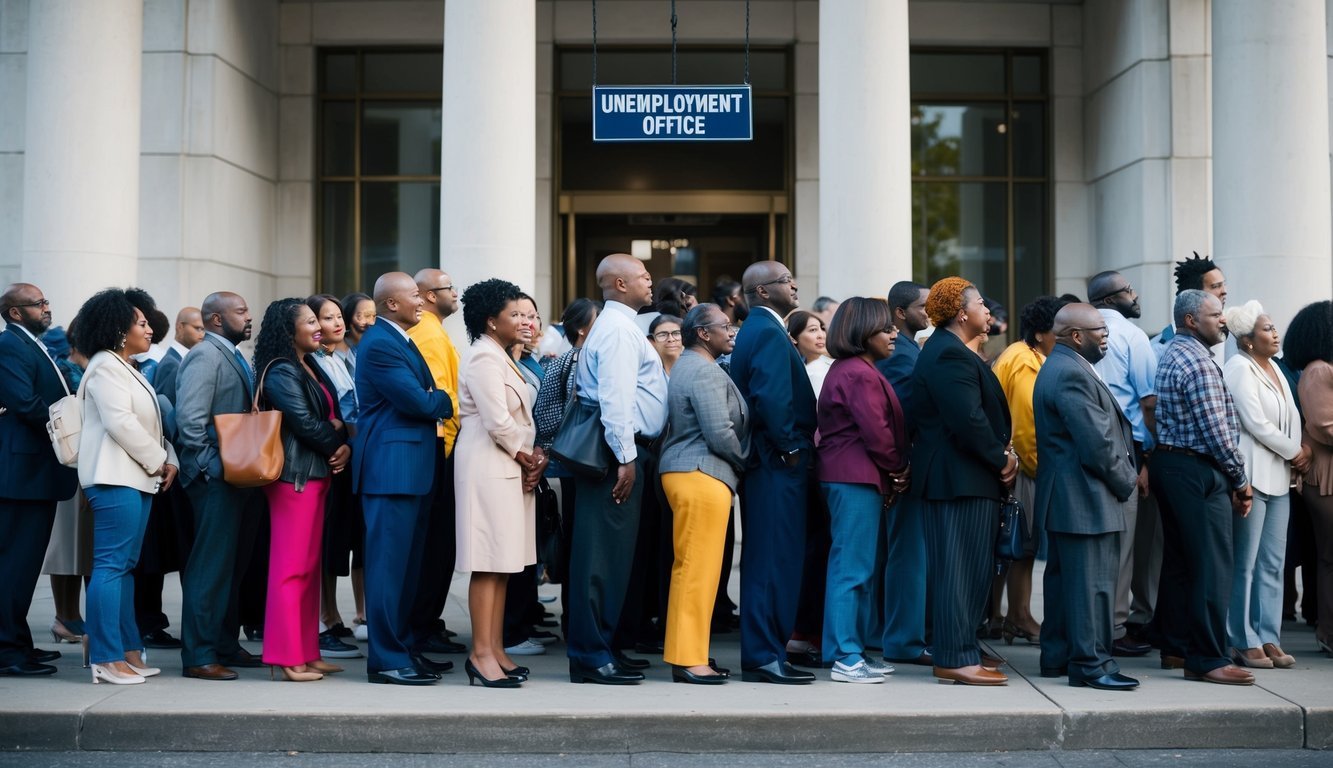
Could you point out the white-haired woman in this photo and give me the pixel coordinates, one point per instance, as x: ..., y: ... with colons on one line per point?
x: 1270, y: 441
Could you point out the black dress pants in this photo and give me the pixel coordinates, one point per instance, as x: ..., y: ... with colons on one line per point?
x: 225, y: 527
x: 1079, y: 587
x: 441, y: 550
x: 25, y: 531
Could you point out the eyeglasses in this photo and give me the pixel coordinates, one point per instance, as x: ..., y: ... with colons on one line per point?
x: 443, y: 288
x: 1099, y: 329
x: 1126, y: 289
x: 785, y: 280
x: 666, y: 335
x: 728, y: 326
x: 43, y: 303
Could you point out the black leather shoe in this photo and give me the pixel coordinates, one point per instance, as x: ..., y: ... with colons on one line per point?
x: 424, y: 664
x: 1055, y: 671
x: 27, y: 669
x: 159, y: 638
x: 404, y: 676
x: 720, y: 670
x: 652, y: 646
x: 437, y: 643
x: 242, y: 659
x: 1116, y: 682
x: 1127, y: 646
x: 607, y: 674
x: 39, y: 656
x: 518, y: 673
x: 627, y: 662
x: 683, y: 675
x: 804, y: 659
x: 777, y: 672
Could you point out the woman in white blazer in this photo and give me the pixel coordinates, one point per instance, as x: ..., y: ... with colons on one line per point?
x: 124, y: 459
x: 1270, y: 441
x: 497, y: 467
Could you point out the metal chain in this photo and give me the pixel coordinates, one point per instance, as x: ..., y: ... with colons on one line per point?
x: 673, y: 42
x: 747, y: 42
x: 594, y: 42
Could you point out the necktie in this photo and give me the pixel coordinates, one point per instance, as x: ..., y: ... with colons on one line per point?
x: 249, y: 375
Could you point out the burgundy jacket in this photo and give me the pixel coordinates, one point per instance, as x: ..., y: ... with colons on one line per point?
x: 862, y: 433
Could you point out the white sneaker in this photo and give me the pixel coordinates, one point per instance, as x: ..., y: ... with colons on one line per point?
x: 882, y: 667
x: 860, y: 672
x: 361, y: 632
x: 526, y: 648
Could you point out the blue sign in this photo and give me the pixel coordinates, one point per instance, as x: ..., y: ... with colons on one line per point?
x: 672, y: 113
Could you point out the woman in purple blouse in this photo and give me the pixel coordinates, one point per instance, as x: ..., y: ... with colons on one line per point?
x: 862, y: 464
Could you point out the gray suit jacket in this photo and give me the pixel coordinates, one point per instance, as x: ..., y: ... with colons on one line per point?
x: 708, y: 425
x: 1085, y: 462
x: 210, y: 382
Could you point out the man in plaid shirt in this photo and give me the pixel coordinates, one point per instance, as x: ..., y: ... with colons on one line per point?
x: 1199, y: 477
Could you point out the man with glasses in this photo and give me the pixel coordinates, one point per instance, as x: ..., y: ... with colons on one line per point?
x: 31, y: 480
x: 1085, y: 489
x: 1128, y: 368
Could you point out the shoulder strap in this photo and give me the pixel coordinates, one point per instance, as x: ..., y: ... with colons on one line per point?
x: 259, y: 387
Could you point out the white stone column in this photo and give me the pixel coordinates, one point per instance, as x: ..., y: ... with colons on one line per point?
x: 1271, y: 201
x: 489, y: 146
x: 81, y: 159
x: 865, y: 145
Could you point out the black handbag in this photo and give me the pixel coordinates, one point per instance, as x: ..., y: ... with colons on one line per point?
x: 550, y: 533
x: 580, y: 444
x: 1014, y: 536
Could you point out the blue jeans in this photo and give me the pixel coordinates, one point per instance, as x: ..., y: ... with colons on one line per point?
x: 120, y: 517
x: 1260, y: 546
x: 905, y: 580
x: 856, y: 523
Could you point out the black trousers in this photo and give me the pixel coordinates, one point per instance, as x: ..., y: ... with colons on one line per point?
x: 225, y: 528
x: 441, y: 550
x: 1079, y: 586
x: 1194, y: 499
x: 520, y: 602
x: 960, y: 545
x: 599, y: 570
x: 773, y: 516
x: 643, y: 618
x: 25, y: 531
x: 1300, y: 554
x: 814, y: 576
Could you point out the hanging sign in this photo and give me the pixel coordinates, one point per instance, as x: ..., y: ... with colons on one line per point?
x: 672, y: 113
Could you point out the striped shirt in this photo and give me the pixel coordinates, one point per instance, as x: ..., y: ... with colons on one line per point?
x: 1194, y: 408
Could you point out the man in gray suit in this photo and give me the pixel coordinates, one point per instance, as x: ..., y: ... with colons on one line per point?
x: 1085, y: 481
x: 214, y: 378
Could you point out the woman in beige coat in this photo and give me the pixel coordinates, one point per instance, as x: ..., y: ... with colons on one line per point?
x: 123, y: 460
x: 496, y: 469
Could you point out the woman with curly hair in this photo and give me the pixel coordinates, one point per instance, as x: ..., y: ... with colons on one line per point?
x: 123, y: 460
x: 497, y: 469
x: 1310, y: 351
x: 964, y: 462
x: 314, y: 447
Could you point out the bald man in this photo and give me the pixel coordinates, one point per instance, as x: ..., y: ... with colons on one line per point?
x: 621, y: 372
x: 772, y: 378
x: 393, y: 468
x: 1086, y: 483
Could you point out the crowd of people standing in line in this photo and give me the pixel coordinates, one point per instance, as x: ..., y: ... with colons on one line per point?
x: 1158, y: 478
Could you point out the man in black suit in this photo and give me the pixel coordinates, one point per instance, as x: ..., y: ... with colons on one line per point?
x: 772, y: 379
x: 905, y: 574
x: 189, y: 332
x: 1086, y: 482
x: 31, y: 480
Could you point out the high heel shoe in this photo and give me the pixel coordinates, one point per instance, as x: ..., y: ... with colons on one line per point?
x: 684, y: 675
x: 108, y: 673
x: 60, y: 633
x: 293, y: 675
x: 474, y: 675
x: 142, y: 667
x: 1009, y: 630
x: 518, y: 673
x: 323, y: 667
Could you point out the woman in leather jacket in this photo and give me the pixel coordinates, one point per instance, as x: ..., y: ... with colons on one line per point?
x: 314, y: 445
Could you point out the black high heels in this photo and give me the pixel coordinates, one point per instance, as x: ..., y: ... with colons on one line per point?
x: 518, y: 673
x: 474, y: 676
x: 684, y: 675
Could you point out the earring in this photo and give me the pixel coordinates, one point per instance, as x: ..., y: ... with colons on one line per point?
x: 965, y: 317
x: 492, y: 326
x: 121, y: 344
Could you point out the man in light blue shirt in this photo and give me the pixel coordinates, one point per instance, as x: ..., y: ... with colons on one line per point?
x: 621, y: 372
x: 1129, y: 369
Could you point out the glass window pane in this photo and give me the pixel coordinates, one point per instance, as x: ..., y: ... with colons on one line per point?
x: 959, y: 229
x: 979, y: 73
x: 1030, y: 279
x: 1029, y: 132
x: 338, y: 73
x: 404, y: 71
x: 400, y: 139
x: 337, y: 243
x: 1028, y: 76
x: 337, y: 138
x: 963, y: 139
x: 400, y: 227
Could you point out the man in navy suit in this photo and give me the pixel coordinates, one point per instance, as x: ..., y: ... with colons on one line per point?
x: 772, y: 379
x: 31, y: 480
x: 189, y: 332
x: 393, y: 468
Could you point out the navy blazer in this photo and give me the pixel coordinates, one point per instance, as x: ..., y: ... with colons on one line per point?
x: 394, y: 449
x: 29, y: 385
x: 164, y: 378
x: 771, y: 377
x: 898, y: 368
x: 962, y: 422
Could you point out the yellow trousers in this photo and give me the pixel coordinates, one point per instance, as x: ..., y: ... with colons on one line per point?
x: 700, y: 507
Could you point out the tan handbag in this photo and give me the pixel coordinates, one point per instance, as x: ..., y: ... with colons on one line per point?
x: 250, y: 443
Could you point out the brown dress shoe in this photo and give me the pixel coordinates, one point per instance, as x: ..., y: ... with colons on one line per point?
x: 1281, y: 659
x: 1228, y: 675
x: 976, y: 675
x: 993, y: 662
x: 1173, y: 662
x: 209, y: 672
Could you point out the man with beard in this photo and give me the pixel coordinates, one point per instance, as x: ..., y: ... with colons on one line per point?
x: 1128, y: 368
x: 31, y: 480
x: 1085, y: 485
x: 214, y: 378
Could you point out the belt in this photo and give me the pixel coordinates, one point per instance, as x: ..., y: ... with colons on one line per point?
x: 1186, y: 451
x: 646, y: 442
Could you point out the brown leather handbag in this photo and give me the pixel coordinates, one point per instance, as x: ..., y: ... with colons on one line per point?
x: 251, y: 443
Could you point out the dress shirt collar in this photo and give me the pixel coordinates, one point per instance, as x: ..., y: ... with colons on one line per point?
x: 180, y: 348
x: 399, y: 328
x: 772, y: 312
x: 225, y: 342
x: 613, y: 306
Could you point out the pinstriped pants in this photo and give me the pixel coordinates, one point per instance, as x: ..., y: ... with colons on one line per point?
x: 960, y: 539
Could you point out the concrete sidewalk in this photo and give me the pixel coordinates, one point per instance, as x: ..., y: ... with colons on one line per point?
x: 910, y: 712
